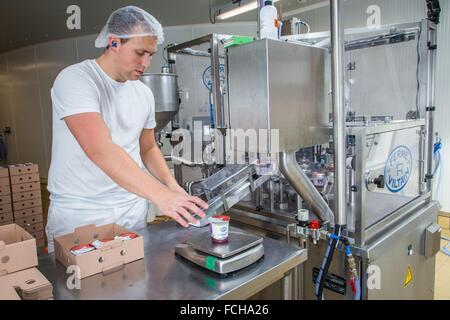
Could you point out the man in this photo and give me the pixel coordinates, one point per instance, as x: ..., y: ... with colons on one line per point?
x: 103, y: 135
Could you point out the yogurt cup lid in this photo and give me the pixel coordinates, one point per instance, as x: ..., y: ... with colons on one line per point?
x: 220, y: 218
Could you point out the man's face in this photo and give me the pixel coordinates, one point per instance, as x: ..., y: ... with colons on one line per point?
x: 134, y: 56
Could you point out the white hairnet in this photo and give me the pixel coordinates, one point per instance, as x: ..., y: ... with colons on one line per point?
x: 129, y: 22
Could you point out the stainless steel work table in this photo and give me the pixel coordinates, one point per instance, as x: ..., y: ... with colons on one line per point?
x: 162, y: 275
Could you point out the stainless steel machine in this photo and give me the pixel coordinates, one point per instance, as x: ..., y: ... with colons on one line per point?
x: 167, y: 101
x: 347, y: 126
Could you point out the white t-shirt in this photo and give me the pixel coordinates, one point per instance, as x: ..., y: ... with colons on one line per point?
x: 126, y: 107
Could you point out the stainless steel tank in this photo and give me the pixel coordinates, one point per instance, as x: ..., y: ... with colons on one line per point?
x: 165, y: 90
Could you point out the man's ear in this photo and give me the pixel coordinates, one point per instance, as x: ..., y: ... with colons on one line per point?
x: 114, y: 43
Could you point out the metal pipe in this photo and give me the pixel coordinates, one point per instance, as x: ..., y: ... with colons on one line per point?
x: 430, y: 110
x: 339, y: 138
x: 219, y: 116
x: 272, y: 194
x: 182, y: 161
x: 219, y: 108
x: 304, y: 187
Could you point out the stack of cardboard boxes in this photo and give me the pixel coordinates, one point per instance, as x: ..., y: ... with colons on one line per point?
x: 19, y: 278
x: 26, y: 198
x: 6, y: 211
x: 20, y: 199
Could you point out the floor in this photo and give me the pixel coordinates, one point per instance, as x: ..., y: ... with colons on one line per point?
x: 442, y: 280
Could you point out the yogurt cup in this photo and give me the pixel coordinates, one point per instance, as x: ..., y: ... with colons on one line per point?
x: 218, y: 228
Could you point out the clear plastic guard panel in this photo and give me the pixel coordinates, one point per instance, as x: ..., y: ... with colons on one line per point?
x: 382, y: 70
x: 394, y: 155
x: 383, y: 80
x: 217, y: 183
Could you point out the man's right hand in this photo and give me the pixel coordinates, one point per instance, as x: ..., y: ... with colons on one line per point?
x: 181, y: 207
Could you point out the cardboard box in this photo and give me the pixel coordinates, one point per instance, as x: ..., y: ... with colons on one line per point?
x: 17, y: 249
x: 5, y: 190
x: 5, y: 199
x: 5, y: 217
x: 32, y: 228
x: 24, y: 187
x: 5, y: 208
x: 20, y: 214
x: 4, y: 223
x: 40, y: 238
x: 25, y: 178
x: 113, y: 254
x: 38, y: 235
x: 16, y: 197
x: 27, y: 204
x: 444, y: 222
x: 23, y: 168
x: 25, y: 222
x: 4, y: 172
x: 40, y: 242
x: 25, y: 285
x: 4, y: 182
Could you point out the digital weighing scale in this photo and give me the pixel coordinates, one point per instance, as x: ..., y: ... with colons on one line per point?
x: 241, y: 250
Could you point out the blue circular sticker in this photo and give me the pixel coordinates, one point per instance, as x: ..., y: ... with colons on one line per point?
x: 207, y: 77
x: 398, y: 169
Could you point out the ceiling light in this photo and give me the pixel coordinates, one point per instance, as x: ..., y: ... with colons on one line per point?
x: 236, y: 8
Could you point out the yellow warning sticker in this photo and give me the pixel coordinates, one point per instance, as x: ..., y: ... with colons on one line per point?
x: 408, y: 277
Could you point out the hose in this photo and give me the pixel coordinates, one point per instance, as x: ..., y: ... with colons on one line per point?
x: 328, y: 257
x: 355, y: 282
x: 437, y: 172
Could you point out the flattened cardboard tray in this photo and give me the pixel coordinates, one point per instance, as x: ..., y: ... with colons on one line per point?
x: 24, y: 187
x: 25, y: 178
x: 5, y: 199
x: 4, y: 172
x: 4, y: 182
x: 24, y: 213
x: 17, y: 249
x: 5, y: 217
x: 23, y: 168
x: 5, y: 190
x: 5, y: 208
x: 112, y: 255
x: 28, y: 284
x: 29, y: 195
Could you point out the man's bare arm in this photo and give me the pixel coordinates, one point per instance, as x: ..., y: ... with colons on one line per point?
x: 91, y: 132
x: 154, y: 160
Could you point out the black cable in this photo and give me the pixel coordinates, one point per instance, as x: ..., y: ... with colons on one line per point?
x: 326, y: 262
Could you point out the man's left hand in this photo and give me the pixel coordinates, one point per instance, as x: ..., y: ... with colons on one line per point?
x: 175, y: 187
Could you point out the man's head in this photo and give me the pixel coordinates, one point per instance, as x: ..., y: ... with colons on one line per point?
x: 130, y: 38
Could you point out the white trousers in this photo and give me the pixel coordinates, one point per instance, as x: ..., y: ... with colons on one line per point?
x: 62, y: 220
